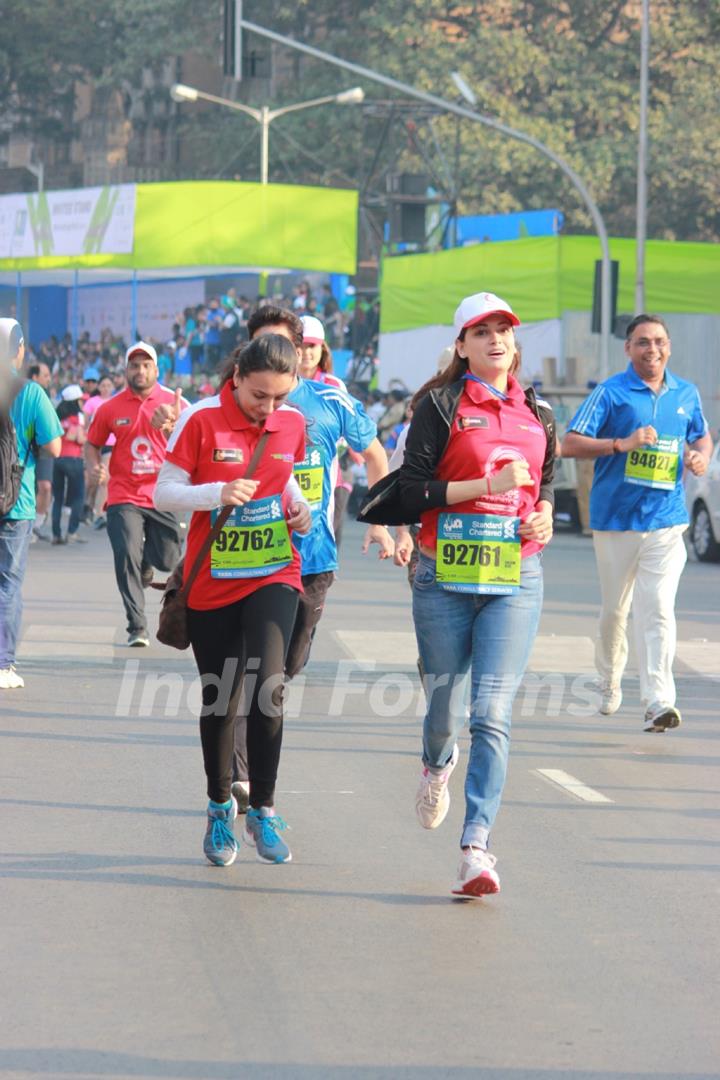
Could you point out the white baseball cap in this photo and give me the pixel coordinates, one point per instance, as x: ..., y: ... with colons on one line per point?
x: 313, y: 330
x: 141, y: 347
x: 72, y: 392
x: 473, y: 309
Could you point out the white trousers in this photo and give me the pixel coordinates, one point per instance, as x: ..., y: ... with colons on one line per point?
x: 642, y: 568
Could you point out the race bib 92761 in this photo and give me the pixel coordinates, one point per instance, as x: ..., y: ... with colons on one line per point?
x: 478, y: 553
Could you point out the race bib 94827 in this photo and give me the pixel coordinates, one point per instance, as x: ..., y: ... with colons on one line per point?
x: 654, y: 466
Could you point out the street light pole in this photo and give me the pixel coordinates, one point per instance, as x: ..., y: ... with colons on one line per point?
x: 641, y: 214
x: 38, y: 172
x: 478, y: 118
x: 264, y: 143
x: 264, y: 116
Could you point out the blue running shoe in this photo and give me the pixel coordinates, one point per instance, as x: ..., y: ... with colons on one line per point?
x: 261, y: 829
x: 220, y: 845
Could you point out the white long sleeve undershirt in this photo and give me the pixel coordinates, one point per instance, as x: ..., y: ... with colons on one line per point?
x: 175, y: 491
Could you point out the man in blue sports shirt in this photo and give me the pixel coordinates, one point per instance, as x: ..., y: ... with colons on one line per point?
x: 642, y: 426
x: 330, y: 414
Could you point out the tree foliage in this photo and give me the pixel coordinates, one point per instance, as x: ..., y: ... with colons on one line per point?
x: 564, y: 71
x: 46, y: 49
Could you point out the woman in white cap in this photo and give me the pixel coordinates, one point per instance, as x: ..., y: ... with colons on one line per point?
x: 316, y: 360
x: 68, y: 486
x: 477, y: 474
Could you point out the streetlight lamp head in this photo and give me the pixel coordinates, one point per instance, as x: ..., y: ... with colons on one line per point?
x: 464, y: 89
x: 351, y: 97
x: 180, y: 92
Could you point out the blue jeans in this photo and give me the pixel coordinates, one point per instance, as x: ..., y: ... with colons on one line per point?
x: 491, y: 637
x: 14, y: 544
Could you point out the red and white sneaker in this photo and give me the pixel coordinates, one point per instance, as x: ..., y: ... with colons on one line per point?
x: 432, y: 799
x: 476, y: 874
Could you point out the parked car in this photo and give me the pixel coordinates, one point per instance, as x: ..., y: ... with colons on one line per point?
x: 702, y: 498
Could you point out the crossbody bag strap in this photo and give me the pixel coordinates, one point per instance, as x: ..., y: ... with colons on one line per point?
x: 222, y: 517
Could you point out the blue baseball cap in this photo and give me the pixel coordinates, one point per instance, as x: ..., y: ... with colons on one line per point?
x: 91, y: 373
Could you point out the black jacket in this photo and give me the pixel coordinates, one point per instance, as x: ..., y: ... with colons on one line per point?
x: 402, y: 496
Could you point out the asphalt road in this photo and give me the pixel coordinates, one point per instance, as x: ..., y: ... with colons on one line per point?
x: 123, y: 953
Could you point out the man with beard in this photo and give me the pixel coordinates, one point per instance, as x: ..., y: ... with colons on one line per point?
x: 141, y: 536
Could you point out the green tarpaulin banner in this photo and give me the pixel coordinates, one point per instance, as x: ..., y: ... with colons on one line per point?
x: 543, y: 276
x: 214, y: 223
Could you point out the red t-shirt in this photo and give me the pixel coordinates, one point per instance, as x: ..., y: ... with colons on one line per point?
x: 69, y: 447
x: 488, y: 433
x: 213, y: 442
x: 139, y: 449
x: 328, y: 378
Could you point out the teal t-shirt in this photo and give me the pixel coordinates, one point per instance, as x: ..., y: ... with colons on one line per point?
x: 34, y: 418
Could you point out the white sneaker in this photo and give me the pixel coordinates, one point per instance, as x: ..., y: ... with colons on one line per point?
x: 10, y: 680
x: 432, y: 800
x: 138, y: 641
x: 611, y: 699
x: 660, y: 717
x: 476, y: 874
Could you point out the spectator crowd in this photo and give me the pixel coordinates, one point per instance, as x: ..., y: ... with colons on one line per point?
x: 78, y: 379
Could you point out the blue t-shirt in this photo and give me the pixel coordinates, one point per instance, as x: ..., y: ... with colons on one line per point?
x: 212, y: 326
x: 330, y: 414
x: 34, y: 418
x: 615, y: 409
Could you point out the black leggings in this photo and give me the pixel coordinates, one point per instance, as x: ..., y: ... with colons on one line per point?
x: 249, y: 637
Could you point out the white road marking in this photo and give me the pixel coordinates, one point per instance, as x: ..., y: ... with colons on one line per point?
x: 317, y: 791
x: 69, y: 632
x: 700, y: 655
x: 562, y: 654
x: 59, y: 642
x: 574, y: 786
x: 379, y: 646
x: 551, y: 652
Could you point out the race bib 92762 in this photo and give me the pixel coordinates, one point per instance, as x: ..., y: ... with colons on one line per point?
x: 254, y: 542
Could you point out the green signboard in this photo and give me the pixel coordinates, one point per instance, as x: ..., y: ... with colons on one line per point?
x: 211, y: 223
x: 543, y: 276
